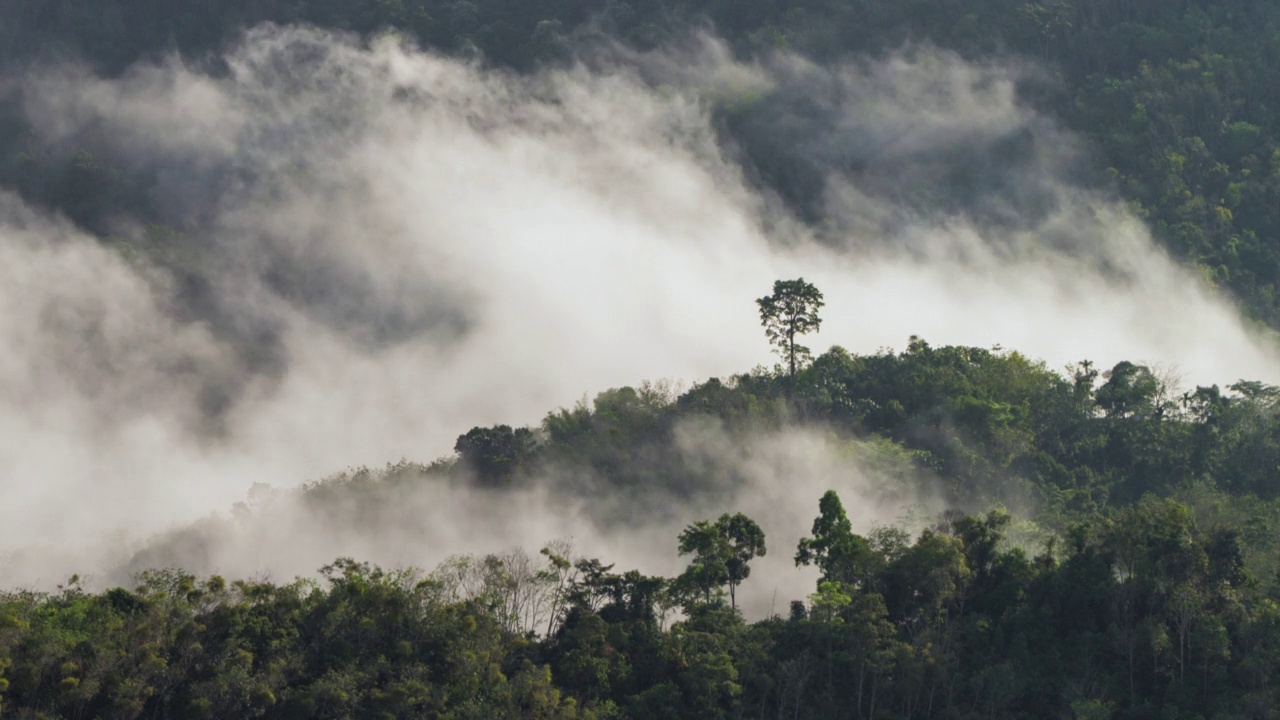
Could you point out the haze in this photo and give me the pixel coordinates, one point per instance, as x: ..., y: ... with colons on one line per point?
x: 396, y: 247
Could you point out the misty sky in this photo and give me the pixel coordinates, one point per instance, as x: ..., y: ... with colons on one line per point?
x: 396, y: 247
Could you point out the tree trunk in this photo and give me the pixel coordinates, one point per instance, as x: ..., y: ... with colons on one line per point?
x: 791, y: 351
x: 862, y: 676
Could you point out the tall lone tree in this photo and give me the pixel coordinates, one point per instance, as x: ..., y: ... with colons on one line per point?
x: 791, y: 310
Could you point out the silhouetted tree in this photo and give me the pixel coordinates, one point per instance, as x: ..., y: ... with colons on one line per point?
x: 791, y: 310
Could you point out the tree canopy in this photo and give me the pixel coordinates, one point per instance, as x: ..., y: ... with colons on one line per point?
x: 791, y: 310
x: 1110, y: 551
x: 1139, y: 582
x: 721, y: 553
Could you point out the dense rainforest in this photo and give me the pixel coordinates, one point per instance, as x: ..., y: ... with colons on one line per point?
x: 1111, y: 544
x: 1149, y: 589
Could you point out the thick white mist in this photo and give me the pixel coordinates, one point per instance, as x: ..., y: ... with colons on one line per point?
x: 469, y: 247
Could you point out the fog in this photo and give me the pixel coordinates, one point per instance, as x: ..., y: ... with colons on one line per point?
x: 368, y: 250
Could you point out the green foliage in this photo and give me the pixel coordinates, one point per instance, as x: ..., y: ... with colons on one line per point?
x: 1154, y: 594
x: 842, y: 556
x: 722, y: 552
x: 497, y: 453
x: 791, y: 310
x: 1145, y: 610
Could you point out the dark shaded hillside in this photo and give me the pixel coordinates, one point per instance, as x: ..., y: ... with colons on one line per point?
x: 1178, y: 98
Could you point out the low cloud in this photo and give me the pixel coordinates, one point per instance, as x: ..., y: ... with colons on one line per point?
x: 367, y: 250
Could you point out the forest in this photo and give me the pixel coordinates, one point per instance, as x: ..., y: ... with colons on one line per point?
x: 1148, y: 590
x: 1098, y: 541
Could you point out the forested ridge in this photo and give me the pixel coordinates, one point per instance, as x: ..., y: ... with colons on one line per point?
x: 1110, y: 544
x: 1146, y: 588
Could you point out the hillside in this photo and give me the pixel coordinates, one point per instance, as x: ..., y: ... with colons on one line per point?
x: 1147, y: 590
x: 247, y: 244
x: 1177, y: 99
